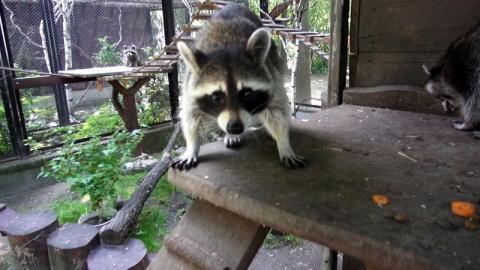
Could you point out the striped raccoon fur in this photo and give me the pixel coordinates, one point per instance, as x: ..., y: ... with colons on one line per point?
x: 133, y: 57
x: 232, y: 79
x: 456, y: 80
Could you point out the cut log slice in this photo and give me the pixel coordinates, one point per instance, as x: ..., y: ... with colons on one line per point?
x: 131, y: 255
x: 27, y: 235
x: 69, y: 246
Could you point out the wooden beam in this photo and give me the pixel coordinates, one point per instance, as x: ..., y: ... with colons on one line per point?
x: 338, y: 51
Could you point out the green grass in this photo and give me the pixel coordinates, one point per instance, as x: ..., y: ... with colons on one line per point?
x: 277, y: 239
x: 151, y: 225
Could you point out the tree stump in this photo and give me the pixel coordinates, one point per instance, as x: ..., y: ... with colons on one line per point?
x: 6, y: 215
x: 27, y: 235
x: 69, y: 246
x: 131, y: 255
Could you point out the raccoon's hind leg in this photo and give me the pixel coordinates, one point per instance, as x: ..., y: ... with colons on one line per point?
x: 232, y: 141
x: 278, y: 124
x: 188, y: 159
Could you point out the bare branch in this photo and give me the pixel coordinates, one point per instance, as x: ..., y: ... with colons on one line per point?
x: 19, y: 29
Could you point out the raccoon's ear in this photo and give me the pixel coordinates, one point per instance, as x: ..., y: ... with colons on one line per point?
x: 191, y: 59
x: 258, y: 45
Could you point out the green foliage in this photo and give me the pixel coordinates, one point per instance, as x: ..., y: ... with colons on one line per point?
x: 5, y: 142
x: 151, y: 226
x: 105, y: 120
x: 93, y: 168
x: 108, y: 55
x: 276, y: 239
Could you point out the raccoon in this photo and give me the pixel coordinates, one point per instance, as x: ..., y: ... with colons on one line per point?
x: 233, y: 80
x: 456, y: 80
x: 133, y: 57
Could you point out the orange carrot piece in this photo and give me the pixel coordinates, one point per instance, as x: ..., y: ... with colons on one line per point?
x: 464, y: 209
x: 380, y: 199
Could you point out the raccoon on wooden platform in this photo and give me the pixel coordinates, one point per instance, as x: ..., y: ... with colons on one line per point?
x: 132, y: 56
x: 233, y: 80
x: 456, y: 80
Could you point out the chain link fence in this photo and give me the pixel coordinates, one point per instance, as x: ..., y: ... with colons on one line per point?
x: 53, y: 35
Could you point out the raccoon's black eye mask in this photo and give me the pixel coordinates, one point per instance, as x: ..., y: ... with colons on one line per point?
x: 253, y: 101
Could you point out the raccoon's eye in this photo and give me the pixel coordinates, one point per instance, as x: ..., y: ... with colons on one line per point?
x: 217, y: 97
x: 246, y: 93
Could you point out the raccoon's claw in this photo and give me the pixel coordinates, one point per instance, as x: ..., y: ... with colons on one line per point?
x: 184, y: 163
x: 294, y: 162
x: 232, y: 141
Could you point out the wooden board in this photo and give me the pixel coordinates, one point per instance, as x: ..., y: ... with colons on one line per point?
x: 394, y: 68
x: 355, y: 152
x: 419, y: 26
x: 390, y: 40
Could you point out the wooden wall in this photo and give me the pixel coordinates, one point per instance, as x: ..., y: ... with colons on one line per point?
x: 391, y: 39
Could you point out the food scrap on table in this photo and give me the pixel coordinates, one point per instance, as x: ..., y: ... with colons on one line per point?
x: 464, y: 209
x: 380, y: 199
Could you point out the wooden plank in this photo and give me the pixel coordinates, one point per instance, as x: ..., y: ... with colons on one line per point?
x: 209, y: 237
x: 353, y: 153
x: 427, y: 25
x: 394, y: 97
x: 394, y: 68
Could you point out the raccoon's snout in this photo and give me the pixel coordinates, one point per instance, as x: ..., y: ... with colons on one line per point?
x: 235, y: 127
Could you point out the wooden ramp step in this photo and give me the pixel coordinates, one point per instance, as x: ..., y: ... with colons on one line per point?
x: 209, y: 237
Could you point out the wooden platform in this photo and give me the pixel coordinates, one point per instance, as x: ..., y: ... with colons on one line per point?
x: 417, y: 160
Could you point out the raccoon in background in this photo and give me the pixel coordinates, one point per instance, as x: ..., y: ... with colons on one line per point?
x: 456, y: 80
x: 133, y: 57
x: 233, y: 78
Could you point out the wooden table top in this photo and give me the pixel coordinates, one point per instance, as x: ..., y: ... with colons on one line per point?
x: 417, y: 160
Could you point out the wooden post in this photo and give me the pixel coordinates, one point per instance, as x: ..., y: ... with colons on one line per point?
x: 129, y: 111
x: 27, y: 235
x: 69, y: 246
x: 337, y: 67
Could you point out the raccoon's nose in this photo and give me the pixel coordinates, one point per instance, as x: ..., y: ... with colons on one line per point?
x: 235, y: 127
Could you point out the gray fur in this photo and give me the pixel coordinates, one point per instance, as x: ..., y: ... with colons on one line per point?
x: 456, y: 80
x: 233, y: 80
x: 133, y: 56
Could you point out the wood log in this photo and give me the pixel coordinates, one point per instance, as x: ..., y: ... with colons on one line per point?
x: 131, y: 255
x: 6, y: 215
x: 115, y: 232
x: 27, y: 235
x: 69, y: 246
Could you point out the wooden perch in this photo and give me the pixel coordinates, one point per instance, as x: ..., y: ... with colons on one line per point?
x: 115, y: 232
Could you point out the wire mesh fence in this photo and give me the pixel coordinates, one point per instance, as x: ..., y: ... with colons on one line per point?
x: 53, y: 35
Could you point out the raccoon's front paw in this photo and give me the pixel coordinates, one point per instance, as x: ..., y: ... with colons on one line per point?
x: 184, y: 163
x: 461, y: 126
x: 476, y: 134
x: 294, y: 161
x: 232, y: 141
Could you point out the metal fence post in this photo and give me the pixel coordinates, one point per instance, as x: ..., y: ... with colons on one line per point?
x: 169, y: 24
x: 51, y: 37
x: 10, y: 95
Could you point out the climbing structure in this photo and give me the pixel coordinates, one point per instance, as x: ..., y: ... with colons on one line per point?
x: 164, y: 60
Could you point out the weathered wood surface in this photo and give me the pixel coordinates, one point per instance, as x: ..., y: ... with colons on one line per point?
x: 6, y: 215
x: 396, y: 97
x: 355, y: 152
x: 69, y: 246
x: 131, y: 255
x: 392, y: 39
x: 210, y: 238
x: 27, y: 235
